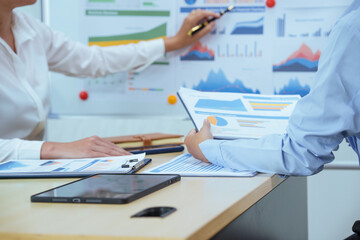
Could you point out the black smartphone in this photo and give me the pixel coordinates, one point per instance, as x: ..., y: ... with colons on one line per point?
x: 107, y: 188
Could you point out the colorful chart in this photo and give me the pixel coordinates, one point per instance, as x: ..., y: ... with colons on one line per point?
x: 259, y: 103
x: 250, y: 123
x: 50, y: 163
x: 155, y: 33
x: 235, y: 105
x: 250, y: 27
x: 217, y: 82
x: 11, y: 165
x: 217, y: 121
x: 198, y: 52
x: 294, y: 87
x: 303, y: 60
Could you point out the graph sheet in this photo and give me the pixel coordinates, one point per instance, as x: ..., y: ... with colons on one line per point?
x: 237, y: 115
x: 188, y: 166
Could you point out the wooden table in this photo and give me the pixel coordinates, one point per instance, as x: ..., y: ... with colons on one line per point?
x: 205, y: 206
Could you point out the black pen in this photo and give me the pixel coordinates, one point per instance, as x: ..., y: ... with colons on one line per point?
x: 204, y: 24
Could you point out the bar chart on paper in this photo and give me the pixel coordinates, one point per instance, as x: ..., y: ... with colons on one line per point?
x: 188, y: 166
x: 237, y: 115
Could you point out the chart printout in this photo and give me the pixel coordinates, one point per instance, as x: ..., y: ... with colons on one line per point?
x: 186, y: 165
x: 239, y: 115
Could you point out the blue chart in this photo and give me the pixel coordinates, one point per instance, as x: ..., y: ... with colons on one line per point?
x: 198, y: 52
x: 294, y: 87
x: 302, y: 60
x: 235, y: 105
x: 251, y: 27
x: 217, y: 82
x: 190, y: 2
x: 281, y: 26
x: 11, y: 165
x: 307, y: 24
x: 217, y: 121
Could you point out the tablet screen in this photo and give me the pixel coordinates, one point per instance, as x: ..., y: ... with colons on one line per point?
x: 106, y: 186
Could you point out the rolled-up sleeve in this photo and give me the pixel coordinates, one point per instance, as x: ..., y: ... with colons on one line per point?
x: 17, y: 149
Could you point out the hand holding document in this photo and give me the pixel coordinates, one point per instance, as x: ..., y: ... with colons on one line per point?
x: 239, y: 115
x: 71, y: 167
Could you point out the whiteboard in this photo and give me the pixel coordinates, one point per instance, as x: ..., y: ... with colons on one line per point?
x: 253, y: 49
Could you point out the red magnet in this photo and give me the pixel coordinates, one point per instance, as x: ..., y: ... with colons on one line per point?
x: 270, y: 3
x: 83, y: 95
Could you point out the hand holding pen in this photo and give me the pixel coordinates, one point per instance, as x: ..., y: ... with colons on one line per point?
x: 182, y: 39
x: 200, y: 26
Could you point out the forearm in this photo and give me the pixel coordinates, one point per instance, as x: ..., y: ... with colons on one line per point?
x: 271, y: 154
x: 82, y: 61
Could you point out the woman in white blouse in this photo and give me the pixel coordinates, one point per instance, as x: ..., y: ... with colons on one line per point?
x: 29, y: 49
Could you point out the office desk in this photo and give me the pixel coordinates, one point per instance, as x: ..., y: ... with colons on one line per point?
x: 205, y: 207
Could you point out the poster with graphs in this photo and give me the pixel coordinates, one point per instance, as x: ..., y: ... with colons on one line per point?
x: 253, y: 49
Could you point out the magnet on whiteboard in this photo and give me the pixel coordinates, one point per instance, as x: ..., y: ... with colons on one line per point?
x: 270, y: 3
x: 83, y: 95
x: 172, y: 99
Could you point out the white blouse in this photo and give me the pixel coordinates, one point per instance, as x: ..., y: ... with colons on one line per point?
x: 24, y: 78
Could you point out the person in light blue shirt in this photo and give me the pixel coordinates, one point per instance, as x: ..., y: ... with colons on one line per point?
x: 319, y: 123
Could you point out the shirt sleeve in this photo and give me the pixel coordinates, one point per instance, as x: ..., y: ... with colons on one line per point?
x: 319, y: 123
x: 17, y: 149
x: 76, y: 59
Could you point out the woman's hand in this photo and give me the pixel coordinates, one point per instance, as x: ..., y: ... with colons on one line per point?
x: 193, y: 139
x: 90, y: 147
x: 182, y: 39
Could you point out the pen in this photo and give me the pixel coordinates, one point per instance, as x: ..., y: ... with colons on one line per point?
x: 204, y: 24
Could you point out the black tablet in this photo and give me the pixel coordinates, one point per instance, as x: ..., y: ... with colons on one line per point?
x: 107, y: 188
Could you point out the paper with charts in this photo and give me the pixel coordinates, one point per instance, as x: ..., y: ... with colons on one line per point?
x: 105, y: 164
x: 188, y: 166
x: 238, y: 115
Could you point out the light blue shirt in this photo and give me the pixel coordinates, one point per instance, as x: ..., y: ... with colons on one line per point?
x: 320, y: 121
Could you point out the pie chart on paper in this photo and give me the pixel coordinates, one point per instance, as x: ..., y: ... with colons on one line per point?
x: 217, y: 121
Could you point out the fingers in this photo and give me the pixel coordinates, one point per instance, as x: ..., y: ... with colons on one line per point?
x: 198, y: 15
x: 105, y: 147
x: 192, y: 132
x: 206, y: 126
x: 204, y: 31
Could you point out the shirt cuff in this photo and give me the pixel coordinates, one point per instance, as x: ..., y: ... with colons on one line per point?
x: 211, y: 150
x: 155, y: 48
x: 29, y: 150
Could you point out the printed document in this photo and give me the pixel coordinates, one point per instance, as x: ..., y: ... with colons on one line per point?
x: 188, y: 166
x: 239, y: 115
x: 122, y: 164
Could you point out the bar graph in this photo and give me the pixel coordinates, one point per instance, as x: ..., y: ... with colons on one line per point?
x: 239, y: 50
x: 186, y: 165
